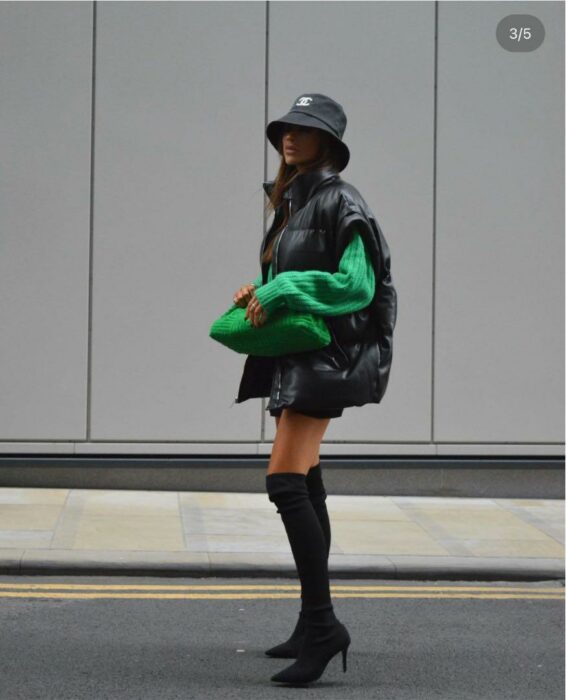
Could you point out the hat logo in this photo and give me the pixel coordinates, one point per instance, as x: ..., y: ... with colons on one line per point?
x: 303, y: 102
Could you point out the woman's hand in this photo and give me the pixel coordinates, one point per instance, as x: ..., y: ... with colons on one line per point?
x: 255, y: 312
x: 244, y: 295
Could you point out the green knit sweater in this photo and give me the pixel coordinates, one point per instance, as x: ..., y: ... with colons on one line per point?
x: 325, y: 293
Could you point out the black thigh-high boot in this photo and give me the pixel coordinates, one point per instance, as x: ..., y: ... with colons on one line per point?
x: 317, y: 494
x: 325, y: 634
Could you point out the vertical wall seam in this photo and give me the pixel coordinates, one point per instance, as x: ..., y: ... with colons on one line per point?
x: 265, y: 113
x: 434, y: 157
x: 91, y: 229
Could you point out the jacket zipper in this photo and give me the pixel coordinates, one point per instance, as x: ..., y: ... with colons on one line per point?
x: 279, y: 384
x: 275, y: 275
x: 276, y: 265
x: 339, y: 347
x: 277, y: 250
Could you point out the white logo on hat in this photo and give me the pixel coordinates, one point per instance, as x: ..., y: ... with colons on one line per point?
x: 303, y: 102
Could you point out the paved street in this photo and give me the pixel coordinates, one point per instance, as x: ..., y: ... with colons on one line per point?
x: 126, y: 638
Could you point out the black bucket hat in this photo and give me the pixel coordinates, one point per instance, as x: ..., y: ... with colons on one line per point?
x: 315, y: 110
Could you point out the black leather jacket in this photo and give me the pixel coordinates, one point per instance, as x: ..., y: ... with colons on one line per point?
x: 354, y: 368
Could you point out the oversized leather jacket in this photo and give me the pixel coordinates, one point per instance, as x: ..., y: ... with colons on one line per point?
x: 354, y: 368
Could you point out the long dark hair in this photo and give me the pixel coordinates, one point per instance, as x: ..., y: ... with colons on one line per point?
x: 327, y: 157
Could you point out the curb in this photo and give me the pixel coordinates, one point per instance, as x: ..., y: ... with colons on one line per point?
x: 201, y: 565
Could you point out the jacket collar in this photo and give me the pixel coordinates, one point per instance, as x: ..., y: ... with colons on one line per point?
x: 304, y: 186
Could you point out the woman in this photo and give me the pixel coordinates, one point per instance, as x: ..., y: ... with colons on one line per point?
x: 326, y: 254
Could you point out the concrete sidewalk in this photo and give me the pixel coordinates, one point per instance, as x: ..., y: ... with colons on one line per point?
x: 90, y: 531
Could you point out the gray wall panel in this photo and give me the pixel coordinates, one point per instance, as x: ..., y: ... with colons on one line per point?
x: 182, y: 90
x: 179, y: 164
x: 499, y: 370
x: 45, y: 133
x: 377, y: 60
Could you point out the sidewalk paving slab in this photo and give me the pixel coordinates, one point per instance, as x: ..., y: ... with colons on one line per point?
x: 166, y: 533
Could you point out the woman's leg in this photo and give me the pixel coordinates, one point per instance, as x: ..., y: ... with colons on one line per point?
x: 317, y: 496
x: 316, y: 458
x: 298, y: 436
x: 297, y: 442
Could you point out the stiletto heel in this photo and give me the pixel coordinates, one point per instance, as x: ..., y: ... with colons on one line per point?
x: 344, y: 652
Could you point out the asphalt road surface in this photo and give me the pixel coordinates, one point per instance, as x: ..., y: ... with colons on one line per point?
x: 126, y: 638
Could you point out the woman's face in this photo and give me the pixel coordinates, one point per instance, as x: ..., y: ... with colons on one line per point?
x: 300, y: 145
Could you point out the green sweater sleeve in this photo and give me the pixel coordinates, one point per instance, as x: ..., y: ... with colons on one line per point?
x: 325, y: 293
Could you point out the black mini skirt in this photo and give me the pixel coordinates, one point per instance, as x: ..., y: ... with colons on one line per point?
x: 330, y: 413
